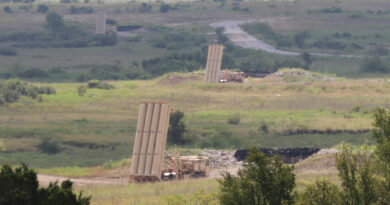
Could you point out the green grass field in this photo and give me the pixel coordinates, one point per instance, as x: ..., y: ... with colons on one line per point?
x: 100, y: 125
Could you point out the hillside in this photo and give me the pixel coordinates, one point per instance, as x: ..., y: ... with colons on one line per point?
x: 100, y: 125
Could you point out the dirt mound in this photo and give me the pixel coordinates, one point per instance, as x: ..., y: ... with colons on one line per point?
x: 316, y: 164
x: 297, y: 74
x: 175, y: 79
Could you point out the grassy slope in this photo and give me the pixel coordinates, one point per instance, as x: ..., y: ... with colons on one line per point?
x: 158, y: 193
x: 100, y: 126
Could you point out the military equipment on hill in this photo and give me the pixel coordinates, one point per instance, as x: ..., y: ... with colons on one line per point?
x: 101, y: 21
x: 185, y: 167
x: 229, y: 76
x: 214, y: 61
x: 148, y: 162
x: 150, y: 141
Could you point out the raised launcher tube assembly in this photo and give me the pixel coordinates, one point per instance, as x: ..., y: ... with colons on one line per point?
x: 150, y: 141
x: 214, y: 61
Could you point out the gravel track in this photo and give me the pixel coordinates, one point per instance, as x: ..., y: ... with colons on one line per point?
x: 241, y: 38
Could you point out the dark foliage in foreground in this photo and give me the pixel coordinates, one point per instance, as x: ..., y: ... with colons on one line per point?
x: 20, y: 186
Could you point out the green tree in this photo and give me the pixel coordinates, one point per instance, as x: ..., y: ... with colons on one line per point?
x: 381, y: 133
x: 176, y: 128
x: 358, y: 180
x: 20, y: 186
x: 322, y: 192
x: 307, y: 58
x: 264, y: 180
x: 164, y: 8
x: 300, y: 38
x: 374, y: 64
x: 7, y: 9
x: 42, y: 8
x: 54, y: 22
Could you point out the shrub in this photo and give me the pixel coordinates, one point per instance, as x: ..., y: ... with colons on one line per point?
x: 300, y: 38
x: 25, y: 189
x: 145, y: 8
x: 80, y: 10
x: 82, y: 90
x: 164, y: 8
x: 93, y: 83
x: 54, y: 22
x: 7, y: 9
x: 42, y: 8
x: 111, y: 21
x: 176, y: 129
x: 11, y: 90
x: 262, y: 180
x: 322, y: 192
x: 8, y: 52
x: 264, y: 128
x: 99, y: 84
x: 374, y: 64
x: 106, y: 86
x: 46, y: 90
x: 234, y: 120
x: 49, y: 147
x: 33, y: 73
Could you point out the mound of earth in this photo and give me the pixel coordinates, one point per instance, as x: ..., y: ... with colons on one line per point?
x: 175, y: 79
x: 297, y: 74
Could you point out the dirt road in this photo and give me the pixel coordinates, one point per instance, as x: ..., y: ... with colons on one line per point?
x: 45, y: 179
x: 241, y: 38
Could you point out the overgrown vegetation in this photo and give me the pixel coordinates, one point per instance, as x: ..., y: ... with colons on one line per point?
x: 262, y: 181
x: 58, y: 34
x: 21, y: 186
x: 12, y: 90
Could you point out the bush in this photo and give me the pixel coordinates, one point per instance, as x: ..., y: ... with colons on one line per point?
x: 234, y: 120
x: 93, y: 83
x: 54, y: 22
x: 46, y: 90
x: 145, y: 8
x: 164, y: 8
x: 263, y: 128
x: 80, y: 10
x: 262, y: 181
x: 100, y: 85
x: 25, y: 189
x: 33, y: 73
x: 328, y: 44
x: 358, y: 181
x: 374, y: 64
x: 7, y: 9
x: 11, y: 90
x: 8, y: 52
x: 322, y: 192
x: 82, y: 90
x: 176, y: 129
x: 111, y: 21
x: 42, y: 8
x: 49, y: 147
